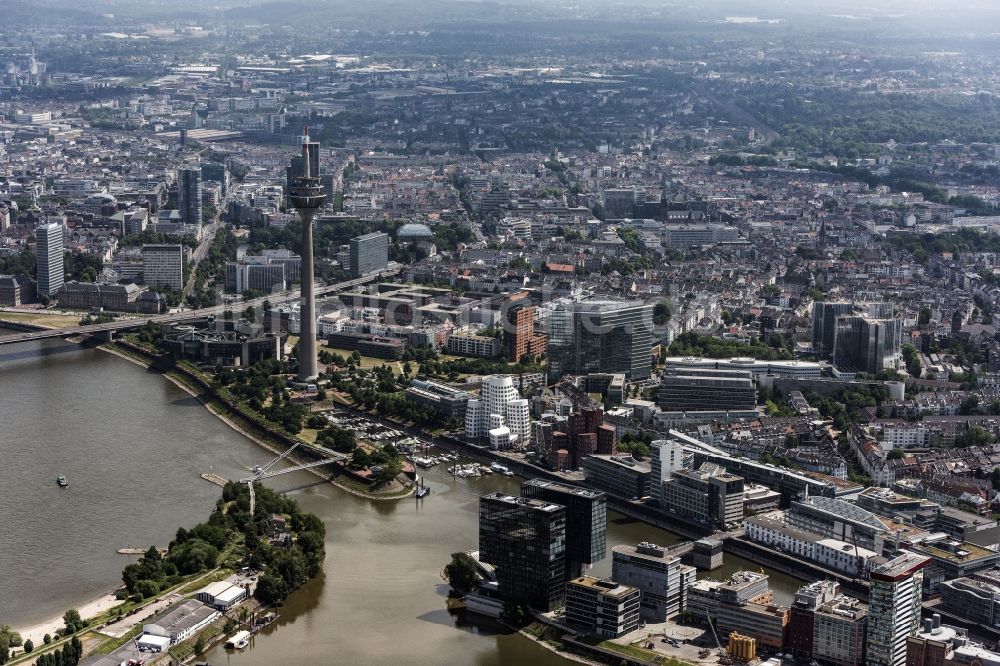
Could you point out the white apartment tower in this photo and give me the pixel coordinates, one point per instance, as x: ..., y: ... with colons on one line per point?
x: 666, y: 457
x: 49, y: 258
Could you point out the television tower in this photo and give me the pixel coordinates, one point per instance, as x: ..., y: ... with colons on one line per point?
x: 307, y: 196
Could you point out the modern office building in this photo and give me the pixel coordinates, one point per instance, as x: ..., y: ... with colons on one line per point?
x: 824, y: 324
x: 659, y: 576
x: 666, y: 457
x: 937, y: 644
x: 705, y: 596
x: 369, y: 253
x: 525, y: 541
x: 163, y: 266
x: 742, y: 605
x: 620, y: 475
x: 837, y: 519
x: 824, y: 321
x: 291, y: 262
x: 708, y: 495
x: 447, y: 401
x: 867, y: 345
x: 697, y: 389
x: 476, y: 346
x: 587, y: 434
x: 239, y: 343
x: 766, y: 623
x: 802, y: 615
x: 611, y: 385
x: 951, y: 559
x: 189, y: 194
x: 894, y: 608
x: 259, y: 275
x: 215, y: 172
x: 840, y: 627
x: 499, y: 413
x: 49, y: 270
x: 586, y: 521
x: 683, y: 236
x: 973, y: 600
x: 600, y: 336
x: 619, y: 202
x: 603, y: 607
x: 519, y: 337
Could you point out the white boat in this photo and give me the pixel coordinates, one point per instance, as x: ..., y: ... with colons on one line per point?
x: 239, y: 640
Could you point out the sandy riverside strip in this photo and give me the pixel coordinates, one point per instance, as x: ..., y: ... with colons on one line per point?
x: 243, y: 431
x: 88, y: 611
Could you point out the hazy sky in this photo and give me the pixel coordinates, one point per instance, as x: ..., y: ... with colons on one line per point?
x: 926, y: 17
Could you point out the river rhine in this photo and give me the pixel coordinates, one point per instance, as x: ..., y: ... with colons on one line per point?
x: 132, y: 445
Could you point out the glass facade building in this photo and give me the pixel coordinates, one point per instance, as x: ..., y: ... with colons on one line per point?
x: 600, y: 336
x: 586, y: 521
x: 826, y: 314
x: 525, y: 540
x: 189, y: 194
x: 863, y: 344
x: 824, y: 321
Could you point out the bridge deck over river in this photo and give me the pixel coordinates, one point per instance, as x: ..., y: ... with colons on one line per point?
x: 110, y: 328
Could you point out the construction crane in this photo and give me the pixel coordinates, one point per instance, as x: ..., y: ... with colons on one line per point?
x: 711, y: 625
x: 862, y: 571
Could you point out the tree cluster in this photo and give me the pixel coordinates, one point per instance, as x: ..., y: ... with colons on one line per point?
x: 223, y: 249
x: 911, y: 360
x: 285, y: 566
x: 150, y: 237
x: 191, y: 552
x: 695, y: 344
x: 462, y: 572
x: 69, y: 655
x: 82, y: 267
x: 72, y: 621
x: 8, y: 639
x: 448, y: 236
x: 255, y: 383
x: 23, y: 262
x: 973, y: 436
x: 636, y: 444
x: 337, y: 438
x: 843, y: 405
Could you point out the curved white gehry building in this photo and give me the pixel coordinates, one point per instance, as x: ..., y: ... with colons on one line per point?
x: 474, y: 420
x: 500, y: 413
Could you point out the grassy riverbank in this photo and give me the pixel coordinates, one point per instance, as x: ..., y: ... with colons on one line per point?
x: 58, y: 321
x: 251, y: 430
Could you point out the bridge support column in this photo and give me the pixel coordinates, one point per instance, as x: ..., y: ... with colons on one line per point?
x: 105, y: 336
